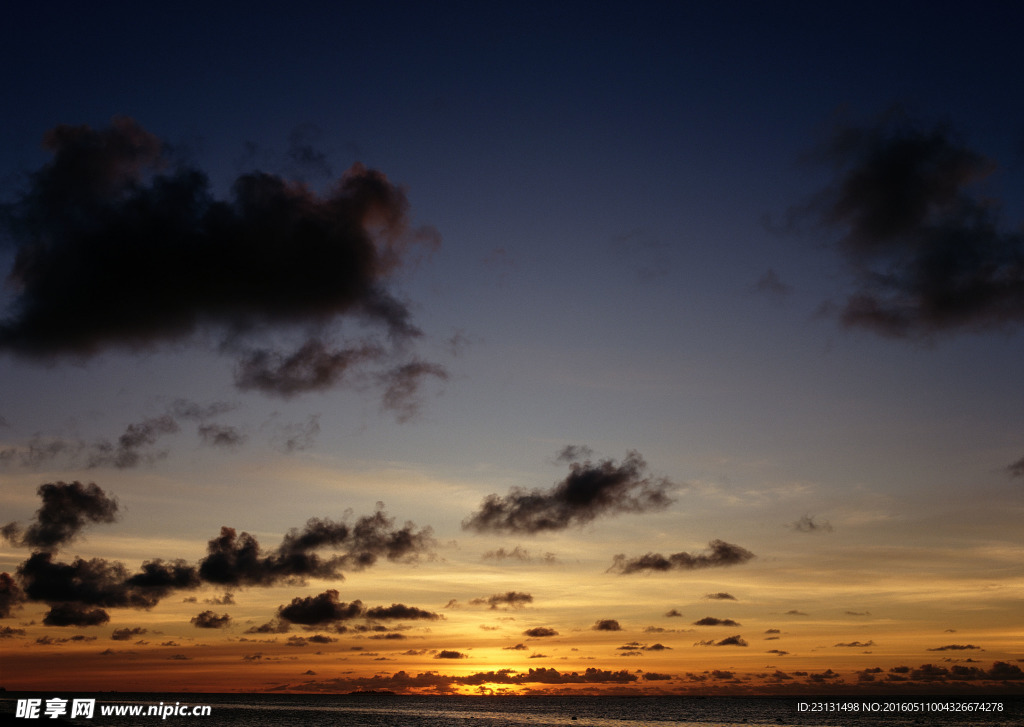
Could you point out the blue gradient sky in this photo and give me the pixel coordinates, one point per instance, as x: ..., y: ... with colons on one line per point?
x: 621, y: 266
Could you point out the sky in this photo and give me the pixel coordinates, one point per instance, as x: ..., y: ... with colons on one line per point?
x: 647, y: 348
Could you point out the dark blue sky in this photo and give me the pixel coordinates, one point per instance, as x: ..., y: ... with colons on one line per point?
x: 773, y: 247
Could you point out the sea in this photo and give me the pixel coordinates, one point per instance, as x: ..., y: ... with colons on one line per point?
x: 387, y: 710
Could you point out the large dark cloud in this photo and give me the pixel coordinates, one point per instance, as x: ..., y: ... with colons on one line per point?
x: 79, y: 591
x: 110, y: 218
x: 326, y: 608
x: 323, y: 608
x: 75, y: 614
x: 590, y: 490
x: 67, y: 508
x: 97, y: 583
x: 237, y: 559
x: 720, y: 554
x: 925, y: 243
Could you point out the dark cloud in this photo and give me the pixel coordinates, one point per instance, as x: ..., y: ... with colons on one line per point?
x: 1017, y: 468
x: 127, y: 634
x: 795, y: 612
x: 74, y: 614
x: 607, y: 624
x: 228, y: 599
x: 158, y: 577
x: 40, y: 450
x: 574, y: 453
x: 807, y: 524
x: 7, y: 632
x: 11, y: 595
x: 653, y: 676
x: 135, y: 445
x: 311, y: 367
x: 590, y: 490
x: 79, y: 591
x: 729, y: 641
x: 520, y: 554
x: 274, y: 626
x: 517, y: 647
x: 400, y: 611
x: 509, y: 599
x: 402, y: 384
x: 220, y: 435
x: 673, y: 613
x: 186, y: 409
x: 325, y: 608
x: 720, y: 596
x: 97, y: 582
x: 712, y: 621
x: 111, y: 219
x: 235, y: 559
x: 721, y: 554
x: 388, y: 637
x: 923, y: 240
x: 210, y: 620
x: 856, y: 644
x: 540, y: 632
x: 446, y: 654
x: 957, y: 647
x: 66, y: 509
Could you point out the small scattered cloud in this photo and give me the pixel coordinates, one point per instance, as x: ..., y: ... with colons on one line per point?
x: 211, y: 620
x: 957, y: 647
x: 127, y: 634
x: 508, y: 600
x: 720, y: 596
x: 807, y: 524
x: 220, y: 435
x: 712, y: 621
x: 540, y: 632
x: 1017, y: 468
x: 607, y: 624
x: 720, y: 554
x: 447, y: 654
x: 728, y: 641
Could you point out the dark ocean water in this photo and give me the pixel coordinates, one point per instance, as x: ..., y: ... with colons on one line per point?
x: 253, y: 710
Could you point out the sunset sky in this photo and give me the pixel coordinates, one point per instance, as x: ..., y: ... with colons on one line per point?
x: 449, y: 347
